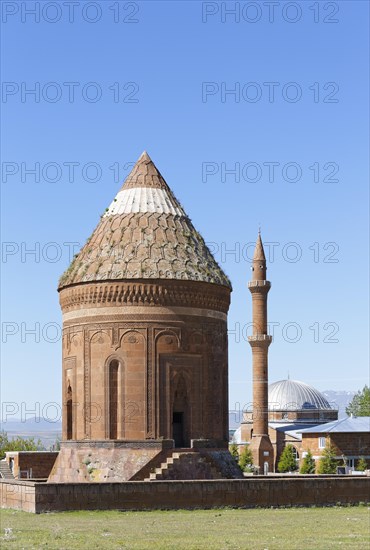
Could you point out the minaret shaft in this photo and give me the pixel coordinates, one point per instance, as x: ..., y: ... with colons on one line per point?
x: 259, y: 305
x: 260, y: 340
x: 260, y: 391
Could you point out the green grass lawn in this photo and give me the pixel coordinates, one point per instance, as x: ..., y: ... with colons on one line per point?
x: 257, y: 529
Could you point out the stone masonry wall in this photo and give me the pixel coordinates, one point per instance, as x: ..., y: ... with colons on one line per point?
x: 138, y: 495
x: 79, y: 462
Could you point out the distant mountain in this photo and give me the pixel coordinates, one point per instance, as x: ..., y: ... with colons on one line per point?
x: 38, y: 428
x: 235, y: 418
x: 340, y: 399
x: 33, y: 424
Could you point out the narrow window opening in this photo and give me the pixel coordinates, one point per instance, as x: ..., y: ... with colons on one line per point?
x: 69, y: 412
x: 113, y: 399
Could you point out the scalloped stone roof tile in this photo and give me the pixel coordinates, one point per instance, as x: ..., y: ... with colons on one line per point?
x: 144, y: 234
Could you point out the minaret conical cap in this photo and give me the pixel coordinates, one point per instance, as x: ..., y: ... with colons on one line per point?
x: 259, y: 253
x: 144, y: 234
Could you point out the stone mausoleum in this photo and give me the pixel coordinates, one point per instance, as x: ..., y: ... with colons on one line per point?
x: 145, y: 360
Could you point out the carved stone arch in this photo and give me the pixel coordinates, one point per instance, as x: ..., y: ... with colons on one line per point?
x: 101, y: 332
x: 197, y: 339
x: 66, y: 341
x: 75, y: 340
x: 71, y: 336
x: 136, y: 334
x: 111, y: 357
x: 170, y: 334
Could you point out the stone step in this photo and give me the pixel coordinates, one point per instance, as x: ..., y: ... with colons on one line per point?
x: 178, y: 455
x: 186, y: 458
x: 5, y: 471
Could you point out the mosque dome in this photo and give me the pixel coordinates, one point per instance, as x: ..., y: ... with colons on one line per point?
x: 294, y: 395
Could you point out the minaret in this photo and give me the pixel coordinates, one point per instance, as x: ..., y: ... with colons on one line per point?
x: 259, y: 287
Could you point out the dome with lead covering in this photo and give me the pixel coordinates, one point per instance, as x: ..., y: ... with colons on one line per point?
x: 144, y: 234
x: 292, y: 395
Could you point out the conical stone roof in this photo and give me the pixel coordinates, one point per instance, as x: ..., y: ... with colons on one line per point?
x: 144, y: 234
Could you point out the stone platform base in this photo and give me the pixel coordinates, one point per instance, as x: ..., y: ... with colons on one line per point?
x: 118, y: 461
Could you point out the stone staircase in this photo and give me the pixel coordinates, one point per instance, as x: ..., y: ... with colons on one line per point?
x: 5, y: 471
x: 185, y: 464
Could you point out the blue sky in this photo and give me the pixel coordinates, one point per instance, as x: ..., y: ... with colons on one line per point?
x: 160, y: 84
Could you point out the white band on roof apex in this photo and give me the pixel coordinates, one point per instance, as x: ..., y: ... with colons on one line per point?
x: 143, y: 199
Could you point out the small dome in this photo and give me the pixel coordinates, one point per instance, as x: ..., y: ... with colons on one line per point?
x: 292, y: 395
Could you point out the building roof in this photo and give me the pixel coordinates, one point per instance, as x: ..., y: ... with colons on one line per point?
x: 144, y: 234
x: 346, y: 425
x: 292, y: 429
x: 293, y: 395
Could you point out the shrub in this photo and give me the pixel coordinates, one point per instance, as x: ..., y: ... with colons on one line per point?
x: 18, y: 444
x: 327, y: 463
x: 361, y: 465
x: 287, y: 462
x: 246, y: 460
x: 308, y: 464
x: 233, y: 448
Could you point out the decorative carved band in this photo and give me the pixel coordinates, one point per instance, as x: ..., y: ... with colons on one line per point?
x: 161, y: 293
x: 118, y: 444
x: 102, y: 314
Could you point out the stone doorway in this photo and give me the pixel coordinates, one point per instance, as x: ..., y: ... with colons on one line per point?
x: 178, y: 429
x: 180, y: 399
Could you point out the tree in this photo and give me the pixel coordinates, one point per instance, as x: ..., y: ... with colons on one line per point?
x: 18, y: 444
x: 308, y: 464
x: 287, y: 462
x: 361, y: 464
x: 246, y: 460
x: 328, y: 463
x: 56, y: 445
x: 233, y: 448
x: 360, y: 404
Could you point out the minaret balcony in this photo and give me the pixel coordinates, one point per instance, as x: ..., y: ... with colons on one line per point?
x: 259, y: 283
x: 260, y: 340
x: 259, y: 286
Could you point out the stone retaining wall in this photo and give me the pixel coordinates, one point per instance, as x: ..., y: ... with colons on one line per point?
x: 139, y: 495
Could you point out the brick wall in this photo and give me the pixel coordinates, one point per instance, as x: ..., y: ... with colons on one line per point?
x: 139, y: 495
x: 348, y: 444
x: 32, y: 464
